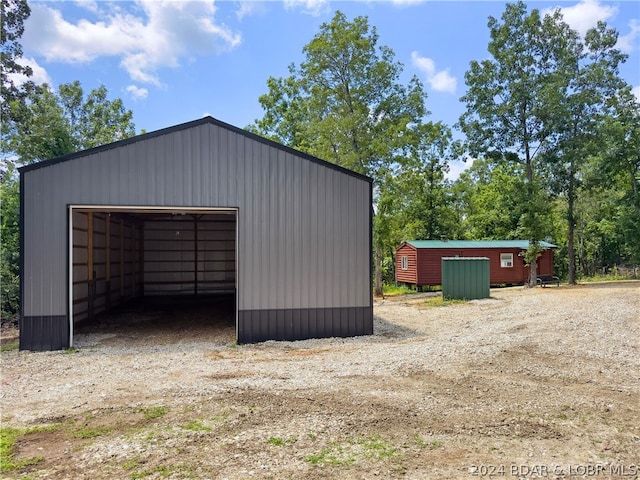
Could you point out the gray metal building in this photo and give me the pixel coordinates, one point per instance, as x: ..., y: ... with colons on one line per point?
x: 199, y: 208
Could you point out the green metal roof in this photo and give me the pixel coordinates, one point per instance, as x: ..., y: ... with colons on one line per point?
x: 523, y: 244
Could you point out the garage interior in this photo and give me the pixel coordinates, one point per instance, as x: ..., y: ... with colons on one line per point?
x: 153, y: 269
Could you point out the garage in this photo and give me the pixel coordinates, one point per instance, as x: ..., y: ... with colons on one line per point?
x: 199, y: 210
x: 137, y: 258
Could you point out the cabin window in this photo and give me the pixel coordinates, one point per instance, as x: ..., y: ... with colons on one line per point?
x: 405, y: 263
x: 506, y: 260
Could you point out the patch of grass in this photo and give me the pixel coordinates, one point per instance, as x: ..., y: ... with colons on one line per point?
x: 439, y: 301
x: 132, y: 463
x: 8, y: 347
x: 332, y: 455
x: 71, y: 350
x: 343, y: 454
x: 392, y: 290
x: 196, y: 426
x: 140, y: 474
x: 86, y: 431
x: 279, y: 442
x: 614, y: 276
x: 8, y: 438
x: 424, y: 444
x: 154, y: 412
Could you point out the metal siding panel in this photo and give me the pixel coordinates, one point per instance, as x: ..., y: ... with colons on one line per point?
x: 304, y: 323
x: 45, y: 332
x: 363, y: 262
x: 303, y: 227
x: 317, y: 220
x: 335, y: 255
x: 303, y: 296
x: 260, y: 325
x: 281, y: 239
x: 45, y: 261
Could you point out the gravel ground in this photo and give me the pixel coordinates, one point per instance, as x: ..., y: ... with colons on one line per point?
x: 531, y: 383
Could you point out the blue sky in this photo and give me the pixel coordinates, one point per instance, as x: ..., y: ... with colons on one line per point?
x: 173, y: 61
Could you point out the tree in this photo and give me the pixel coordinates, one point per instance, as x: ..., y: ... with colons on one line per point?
x: 49, y: 125
x: 345, y: 104
x: 419, y: 191
x: 490, y: 199
x: 14, y: 14
x: 9, y: 245
x: 610, y: 212
x: 592, y: 82
x: 511, y: 101
x: 64, y: 122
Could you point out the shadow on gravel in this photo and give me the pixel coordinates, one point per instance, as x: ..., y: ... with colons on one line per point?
x: 385, y: 329
x: 165, y: 320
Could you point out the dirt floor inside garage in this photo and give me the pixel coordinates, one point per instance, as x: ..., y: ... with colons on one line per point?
x: 530, y: 383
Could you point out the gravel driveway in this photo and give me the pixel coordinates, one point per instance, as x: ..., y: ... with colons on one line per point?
x: 531, y: 383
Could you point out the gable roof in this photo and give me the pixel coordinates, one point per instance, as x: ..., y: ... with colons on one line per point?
x: 522, y: 244
x: 187, y: 125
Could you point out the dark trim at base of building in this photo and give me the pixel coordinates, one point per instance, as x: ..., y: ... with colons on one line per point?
x: 44, y: 333
x: 303, y: 323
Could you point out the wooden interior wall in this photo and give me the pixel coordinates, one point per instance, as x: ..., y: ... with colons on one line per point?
x: 190, y: 255
x: 107, y: 262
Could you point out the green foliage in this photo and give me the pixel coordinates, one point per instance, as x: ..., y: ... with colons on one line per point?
x: 9, y: 246
x: 440, y: 301
x: 280, y: 442
x: 8, y: 438
x: 434, y: 444
x: 66, y: 121
x: 347, y: 453
x: 345, y: 103
x: 196, y: 426
x: 544, y: 101
x: 154, y: 412
x: 391, y: 290
x: 45, y: 125
x: 14, y: 14
x: 511, y: 99
x: 86, y: 431
x: 9, y: 347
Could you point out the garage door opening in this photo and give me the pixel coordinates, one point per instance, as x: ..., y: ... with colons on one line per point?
x: 168, y: 269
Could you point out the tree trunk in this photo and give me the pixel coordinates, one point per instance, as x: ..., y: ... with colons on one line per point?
x: 378, y: 268
x: 533, y: 269
x: 533, y: 265
x: 571, y: 193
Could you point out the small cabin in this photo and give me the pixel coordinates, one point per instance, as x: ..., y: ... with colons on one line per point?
x: 419, y: 262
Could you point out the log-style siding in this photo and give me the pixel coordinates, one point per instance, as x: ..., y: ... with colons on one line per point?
x: 425, y: 264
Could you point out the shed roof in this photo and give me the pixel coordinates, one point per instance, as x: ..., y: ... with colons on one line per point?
x: 523, y: 244
x: 187, y: 125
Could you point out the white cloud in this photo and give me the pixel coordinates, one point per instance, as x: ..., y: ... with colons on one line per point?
x: 629, y: 42
x: 636, y: 92
x: 311, y: 7
x: 249, y: 8
x: 90, y: 5
x: 441, y: 81
x: 137, y: 93
x: 585, y: 14
x: 455, y: 169
x: 39, y: 75
x: 161, y: 33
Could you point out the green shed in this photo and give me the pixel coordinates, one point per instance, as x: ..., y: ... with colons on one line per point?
x: 465, y: 278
